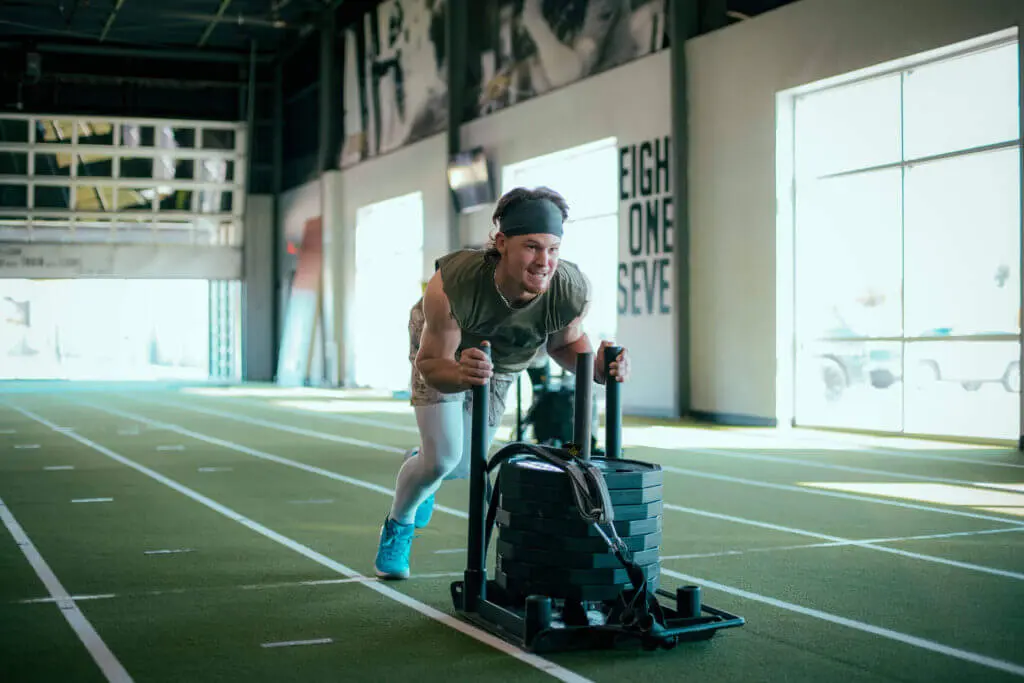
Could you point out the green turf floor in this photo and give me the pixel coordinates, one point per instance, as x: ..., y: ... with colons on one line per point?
x: 214, y: 525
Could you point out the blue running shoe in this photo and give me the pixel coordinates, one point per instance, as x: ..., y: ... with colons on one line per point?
x: 393, y: 552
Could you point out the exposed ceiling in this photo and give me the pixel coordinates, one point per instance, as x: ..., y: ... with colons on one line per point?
x: 206, y: 27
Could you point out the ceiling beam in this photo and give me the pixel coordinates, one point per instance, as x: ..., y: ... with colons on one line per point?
x: 213, y: 23
x: 110, y: 20
x: 109, y: 50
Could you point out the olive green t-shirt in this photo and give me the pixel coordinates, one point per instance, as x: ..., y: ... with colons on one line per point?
x: 515, y: 334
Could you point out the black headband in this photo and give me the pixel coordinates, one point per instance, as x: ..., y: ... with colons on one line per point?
x: 531, y: 216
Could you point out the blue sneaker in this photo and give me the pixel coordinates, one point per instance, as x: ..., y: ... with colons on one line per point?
x: 393, y: 552
x: 426, y: 509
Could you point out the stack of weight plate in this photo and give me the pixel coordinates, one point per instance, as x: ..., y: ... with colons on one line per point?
x: 543, y: 545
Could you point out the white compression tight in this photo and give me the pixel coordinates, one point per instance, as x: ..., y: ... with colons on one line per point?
x: 445, y: 430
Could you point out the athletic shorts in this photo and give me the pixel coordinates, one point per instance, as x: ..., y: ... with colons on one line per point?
x: 425, y: 395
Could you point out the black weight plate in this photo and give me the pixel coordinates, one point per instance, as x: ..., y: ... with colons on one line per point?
x: 563, y: 493
x: 618, y: 474
x: 582, y: 593
x: 568, y: 509
x: 560, y: 576
x: 568, y: 559
x: 573, y: 528
x: 592, y: 544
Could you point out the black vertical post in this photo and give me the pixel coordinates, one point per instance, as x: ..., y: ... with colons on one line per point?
x: 584, y: 396
x: 456, y: 42
x: 330, y: 94
x: 475, y: 580
x: 612, y: 407
x: 683, y: 24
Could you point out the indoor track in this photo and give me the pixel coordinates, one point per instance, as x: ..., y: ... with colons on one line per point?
x: 160, y: 533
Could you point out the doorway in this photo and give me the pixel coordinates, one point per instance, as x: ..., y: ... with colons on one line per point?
x: 388, y: 273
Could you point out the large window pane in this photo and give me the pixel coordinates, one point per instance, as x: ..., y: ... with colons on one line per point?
x: 593, y: 245
x: 963, y: 245
x: 961, y: 103
x: 586, y: 177
x: 963, y: 388
x: 849, y: 127
x: 848, y: 256
x: 849, y: 384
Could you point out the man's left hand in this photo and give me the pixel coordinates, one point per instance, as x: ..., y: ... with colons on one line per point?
x: 619, y: 368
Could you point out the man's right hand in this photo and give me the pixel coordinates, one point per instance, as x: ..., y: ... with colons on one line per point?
x: 475, y: 366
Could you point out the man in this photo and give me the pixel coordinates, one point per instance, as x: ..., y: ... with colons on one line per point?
x: 516, y: 296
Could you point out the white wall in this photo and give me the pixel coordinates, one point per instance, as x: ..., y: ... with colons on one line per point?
x: 420, y: 167
x: 734, y: 75
x: 632, y: 104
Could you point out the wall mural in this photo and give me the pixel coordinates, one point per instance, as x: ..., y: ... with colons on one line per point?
x: 395, y: 80
x: 530, y: 47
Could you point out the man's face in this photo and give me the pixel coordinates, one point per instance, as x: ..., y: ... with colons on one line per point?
x: 529, y: 260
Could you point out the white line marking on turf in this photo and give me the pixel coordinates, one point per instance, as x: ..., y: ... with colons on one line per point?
x: 836, y: 544
x: 784, y: 487
x: 847, y: 541
x: 175, y: 447
x: 827, y: 616
x: 216, y: 469
x: 293, y: 643
x: 58, y: 468
x: 550, y: 668
x: 450, y: 551
x: 26, y: 446
x: 459, y: 513
x: 8, y: 431
x: 775, y: 459
x: 76, y: 598
x: 101, y: 654
x: 169, y: 551
x: 812, y: 440
x: 914, y: 641
x: 273, y: 458
x: 281, y: 427
x: 869, y: 544
x: 92, y: 500
x: 837, y: 494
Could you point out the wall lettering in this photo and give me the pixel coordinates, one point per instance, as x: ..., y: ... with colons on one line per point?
x: 645, y: 188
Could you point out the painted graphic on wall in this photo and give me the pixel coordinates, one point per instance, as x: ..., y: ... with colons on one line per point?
x: 646, y: 221
x: 529, y: 47
x: 303, y: 313
x: 395, y: 82
x: 646, y: 275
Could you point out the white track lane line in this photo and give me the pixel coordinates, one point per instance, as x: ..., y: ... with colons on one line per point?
x: 838, y: 494
x: 101, y: 654
x: 280, y: 427
x: 775, y: 459
x: 539, y: 663
x: 839, y: 544
x: 867, y: 545
x: 677, y: 470
x: 886, y: 633
x: 812, y: 440
x: 266, y: 456
x: 923, y: 643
